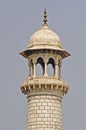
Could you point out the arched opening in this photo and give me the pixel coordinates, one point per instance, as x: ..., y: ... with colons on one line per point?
x: 40, y: 67
x: 31, y: 68
x: 51, y: 67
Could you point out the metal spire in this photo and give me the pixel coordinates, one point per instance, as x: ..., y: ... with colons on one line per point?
x: 45, y: 17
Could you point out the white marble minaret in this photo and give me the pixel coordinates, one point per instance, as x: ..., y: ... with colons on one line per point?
x: 44, y: 92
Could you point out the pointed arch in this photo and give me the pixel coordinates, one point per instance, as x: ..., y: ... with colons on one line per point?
x: 40, y: 67
x: 51, y: 67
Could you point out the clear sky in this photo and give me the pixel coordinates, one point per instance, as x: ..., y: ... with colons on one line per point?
x: 18, y: 20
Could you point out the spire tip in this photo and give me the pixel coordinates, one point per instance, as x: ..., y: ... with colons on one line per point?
x: 45, y: 17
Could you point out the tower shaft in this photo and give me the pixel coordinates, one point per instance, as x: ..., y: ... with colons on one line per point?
x: 44, y: 112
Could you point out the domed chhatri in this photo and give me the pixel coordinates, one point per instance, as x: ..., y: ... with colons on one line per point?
x: 44, y: 39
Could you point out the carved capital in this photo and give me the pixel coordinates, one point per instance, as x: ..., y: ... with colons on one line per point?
x: 60, y: 63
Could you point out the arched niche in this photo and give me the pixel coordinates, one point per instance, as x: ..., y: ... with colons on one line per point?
x: 40, y: 67
x: 51, y: 67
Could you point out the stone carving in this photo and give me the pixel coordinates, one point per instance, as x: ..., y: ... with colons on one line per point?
x: 42, y: 84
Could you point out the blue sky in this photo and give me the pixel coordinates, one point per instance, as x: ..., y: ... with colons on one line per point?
x: 18, y: 21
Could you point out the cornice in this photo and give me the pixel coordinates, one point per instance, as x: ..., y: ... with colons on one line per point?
x: 44, y: 85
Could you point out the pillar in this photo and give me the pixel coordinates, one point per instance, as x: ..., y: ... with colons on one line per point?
x: 34, y: 69
x: 56, y: 68
x: 29, y: 69
x: 45, y: 67
x: 60, y: 67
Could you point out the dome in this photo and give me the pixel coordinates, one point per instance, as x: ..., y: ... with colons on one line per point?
x: 44, y: 38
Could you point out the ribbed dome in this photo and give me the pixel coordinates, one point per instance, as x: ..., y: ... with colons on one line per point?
x: 44, y: 38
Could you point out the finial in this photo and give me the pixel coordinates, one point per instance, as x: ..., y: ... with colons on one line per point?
x: 45, y: 17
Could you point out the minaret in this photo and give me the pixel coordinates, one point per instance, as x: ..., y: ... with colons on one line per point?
x: 45, y: 92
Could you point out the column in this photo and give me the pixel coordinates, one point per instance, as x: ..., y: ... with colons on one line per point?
x: 56, y: 70
x: 60, y: 64
x: 29, y: 69
x: 60, y: 72
x: 45, y: 67
x: 34, y: 67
